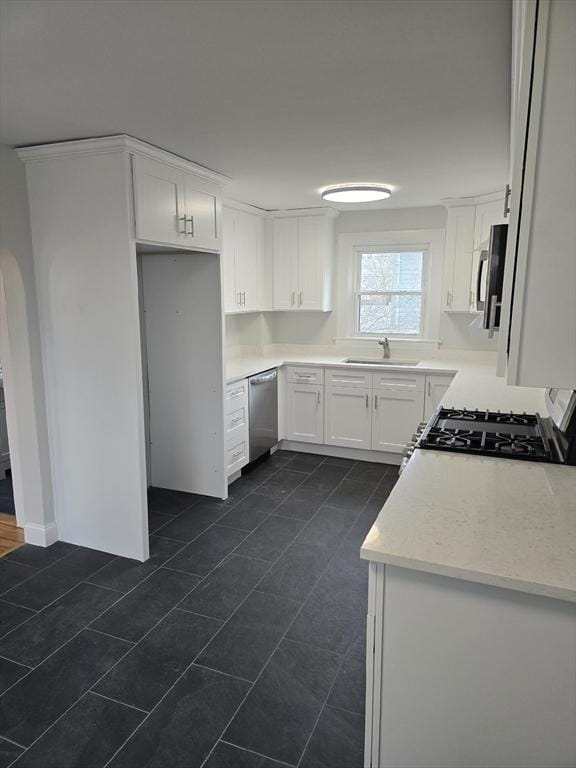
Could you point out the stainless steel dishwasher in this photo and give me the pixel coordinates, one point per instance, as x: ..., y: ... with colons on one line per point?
x: 263, y: 412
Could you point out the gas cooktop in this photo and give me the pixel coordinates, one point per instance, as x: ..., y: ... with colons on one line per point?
x: 489, y: 433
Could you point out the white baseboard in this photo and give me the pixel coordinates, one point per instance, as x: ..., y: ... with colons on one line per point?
x: 358, y: 454
x: 40, y: 535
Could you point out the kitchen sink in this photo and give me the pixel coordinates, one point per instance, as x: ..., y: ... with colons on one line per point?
x: 367, y: 361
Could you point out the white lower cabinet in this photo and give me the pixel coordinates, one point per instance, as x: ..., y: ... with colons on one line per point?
x: 396, y: 415
x: 436, y: 388
x: 236, y: 425
x: 305, y: 413
x: 348, y: 417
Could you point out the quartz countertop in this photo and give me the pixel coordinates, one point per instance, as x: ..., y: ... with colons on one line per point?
x: 502, y: 522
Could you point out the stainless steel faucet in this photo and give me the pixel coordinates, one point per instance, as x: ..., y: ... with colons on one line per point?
x: 385, y: 344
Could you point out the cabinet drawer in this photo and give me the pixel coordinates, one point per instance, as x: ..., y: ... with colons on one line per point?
x: 298, y: 374
x: 237, y: 456
x: 399, y: 380
x: 347, y: 377
x: 236, y: 395
x: 236, y: 422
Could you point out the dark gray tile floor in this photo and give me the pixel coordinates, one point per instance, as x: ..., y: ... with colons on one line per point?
x: 238, y: 644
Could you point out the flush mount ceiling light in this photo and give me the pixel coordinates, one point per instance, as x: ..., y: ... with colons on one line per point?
x: 355, y: 193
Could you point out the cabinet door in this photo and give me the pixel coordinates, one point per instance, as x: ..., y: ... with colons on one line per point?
x: 231, y: 295
x: 436, y: 388
x: 312, y: 244
x: 348, y: 417
x: 285, y: 262
x: 397, y: 413
x: 247, y: 272
x: 201, y: 215
x: 159, y: 201
x: 304, y: 413
x: 458, y: 258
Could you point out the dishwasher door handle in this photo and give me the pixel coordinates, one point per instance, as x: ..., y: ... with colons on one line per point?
x: 263, y: 379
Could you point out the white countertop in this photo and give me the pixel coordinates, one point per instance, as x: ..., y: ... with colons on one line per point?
x: 502, y: 522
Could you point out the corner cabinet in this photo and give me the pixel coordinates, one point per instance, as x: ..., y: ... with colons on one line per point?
x: 241, y: 252
x: 467, y: 234
x: 302, y: 254
x: 173, y: 207
x: 436, y: 387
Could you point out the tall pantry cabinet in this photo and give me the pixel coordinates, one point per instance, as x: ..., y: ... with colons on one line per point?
x: 98, y: 207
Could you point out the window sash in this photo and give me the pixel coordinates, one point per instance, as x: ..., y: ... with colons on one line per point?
x: 422, y: 292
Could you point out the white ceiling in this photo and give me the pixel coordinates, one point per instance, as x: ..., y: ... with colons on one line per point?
x: 283, y: 96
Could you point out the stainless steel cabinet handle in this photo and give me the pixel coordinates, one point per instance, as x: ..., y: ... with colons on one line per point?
x: 492, y: 307
x: 239, y: 302
x: 237, y: 393
x: 507, y: 200
x: 236, y: 420
x: 181, y: 231
x: 293, y: 298
x: 300, y: 299
x: 367, y: 401
x: 449, y: 298
x: 375, y: 402
x: 318, y: 398
x: 429, y: 389
x: 235, y: 455
x: 191, y: 226
x: 244, y: 298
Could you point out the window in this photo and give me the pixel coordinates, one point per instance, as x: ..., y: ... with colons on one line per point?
x: 390, y: 291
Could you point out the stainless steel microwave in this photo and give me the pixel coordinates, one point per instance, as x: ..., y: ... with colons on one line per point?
x: 490, y: 278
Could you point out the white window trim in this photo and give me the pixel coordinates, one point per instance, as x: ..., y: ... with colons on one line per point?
x: 424, y: 249
x: 346, y: 275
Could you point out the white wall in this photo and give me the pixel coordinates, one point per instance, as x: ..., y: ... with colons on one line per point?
x: 20, y: 352
x: 321, y: 327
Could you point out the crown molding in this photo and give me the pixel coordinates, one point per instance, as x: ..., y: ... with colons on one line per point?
x: 329, y: 213
x: 490, y: 197
x: 246, y: 207
x: 119, y: 143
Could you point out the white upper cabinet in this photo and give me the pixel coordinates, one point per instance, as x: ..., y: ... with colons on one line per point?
x: 537, y: 339
x: 285, y: 263
x: 174, y: 207
x: 467, y: 233
x: 302, y: 248
x: 242, y: 236
x: 159, y: 200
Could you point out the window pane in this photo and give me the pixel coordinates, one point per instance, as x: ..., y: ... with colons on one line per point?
x: 390, y: 314
x: 391, y: 271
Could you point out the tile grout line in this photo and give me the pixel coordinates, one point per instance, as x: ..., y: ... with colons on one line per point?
x: 116, y: 701
x: 20, y: 664
x: 253, y: 752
